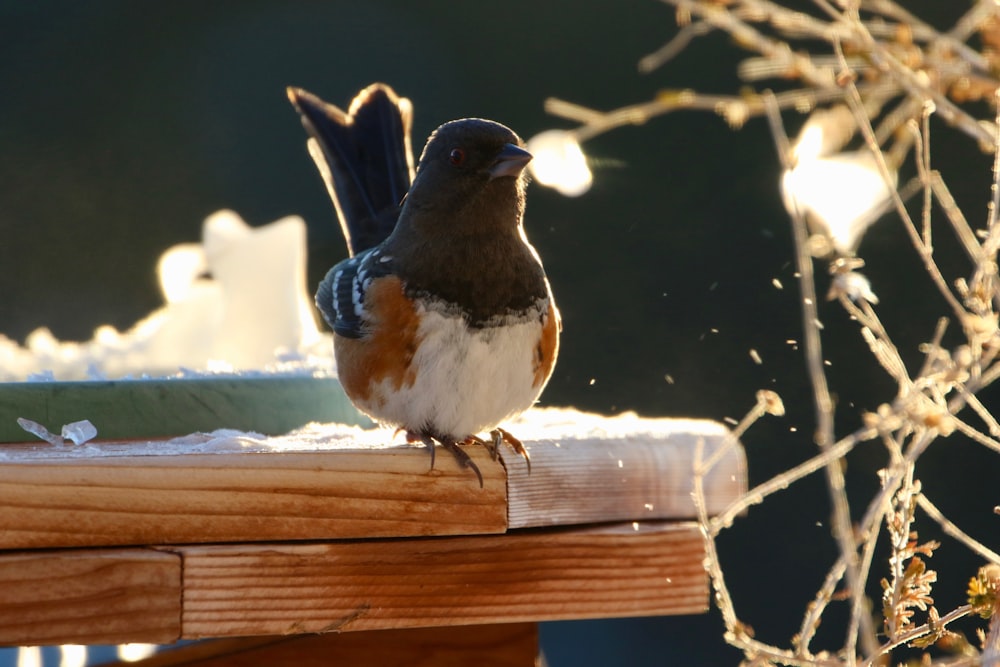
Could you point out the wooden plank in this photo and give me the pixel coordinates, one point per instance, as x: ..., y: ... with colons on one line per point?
x: 75, y: 498
x: 601, y: 572
x: 590, y: 469
x: 89, y: 596
x: 333, y: 481
x: 137, y: 409
x: 501, y: 645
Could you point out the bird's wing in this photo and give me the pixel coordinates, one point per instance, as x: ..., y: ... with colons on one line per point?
x: 341, y: 294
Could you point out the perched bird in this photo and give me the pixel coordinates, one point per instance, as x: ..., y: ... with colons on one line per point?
x: 444, y: 322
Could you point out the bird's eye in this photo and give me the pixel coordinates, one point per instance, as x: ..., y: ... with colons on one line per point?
x: 456, y: 157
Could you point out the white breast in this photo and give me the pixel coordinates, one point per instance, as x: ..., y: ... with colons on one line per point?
x: 468, y: 381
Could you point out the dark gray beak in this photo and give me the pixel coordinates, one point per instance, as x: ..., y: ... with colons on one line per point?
x: 510, y: 161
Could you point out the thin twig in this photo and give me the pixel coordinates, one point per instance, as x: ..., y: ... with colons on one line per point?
x: 780, y: 482
x: 723, y: 599
x: 909, y: 68
x: 952, y: 40
x: 919, y: 87
x: 974, y: 434
x: 814, y: 612
x: 926, y: 253
x: 735, y: 109
x: 917, y: 632
x: 767, y: 402
x: 673, y: 47
x: 954, y: 531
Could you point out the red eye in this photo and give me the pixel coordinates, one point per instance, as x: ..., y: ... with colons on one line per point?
x: 456, y: 157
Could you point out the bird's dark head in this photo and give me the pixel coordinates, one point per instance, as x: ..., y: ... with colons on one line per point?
x: 475, y: 147
x: 471, y: 167
x: 459, y: 236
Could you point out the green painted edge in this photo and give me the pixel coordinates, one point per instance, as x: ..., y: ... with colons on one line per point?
x: 144, y: 409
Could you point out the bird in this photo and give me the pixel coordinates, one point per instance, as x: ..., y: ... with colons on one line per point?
x: 444, y: 322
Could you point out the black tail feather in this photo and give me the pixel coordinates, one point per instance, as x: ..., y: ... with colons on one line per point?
x: 364, y: 156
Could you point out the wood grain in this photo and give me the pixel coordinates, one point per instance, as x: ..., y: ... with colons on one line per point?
x: 338, y: 482
x: 327, y: 529
x: 501, y: 645
x: 631, y: 469
x: 96, y: 500
x: 611, y: 571
x: 90, y: 597
x: 159, y: 595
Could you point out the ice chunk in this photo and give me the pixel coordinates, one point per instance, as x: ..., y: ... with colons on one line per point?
x: 79, y: 432
x: 76, y: 432
x: 36, y: 429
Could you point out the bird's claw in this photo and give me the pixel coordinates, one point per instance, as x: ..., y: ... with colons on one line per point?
x: 452, y: 445
x: 498, y: 436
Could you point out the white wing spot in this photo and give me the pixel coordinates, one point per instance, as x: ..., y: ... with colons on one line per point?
x: 358, y: 293
x: 337, y: 276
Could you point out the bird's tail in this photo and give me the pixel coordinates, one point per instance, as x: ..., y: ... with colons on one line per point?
x: 364, y: 156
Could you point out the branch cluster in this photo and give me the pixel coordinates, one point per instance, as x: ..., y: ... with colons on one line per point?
x: 868, y: 69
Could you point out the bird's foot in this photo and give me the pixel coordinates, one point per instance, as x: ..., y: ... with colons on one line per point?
x: 498, y: 436
x: 452, y: 445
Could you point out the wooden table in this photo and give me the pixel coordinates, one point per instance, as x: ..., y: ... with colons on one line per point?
x: 332, y: 543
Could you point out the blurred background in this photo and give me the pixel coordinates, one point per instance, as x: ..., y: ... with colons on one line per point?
x: 124, y: 124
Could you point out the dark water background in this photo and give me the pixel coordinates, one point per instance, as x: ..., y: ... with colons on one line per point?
x: 123, y: 124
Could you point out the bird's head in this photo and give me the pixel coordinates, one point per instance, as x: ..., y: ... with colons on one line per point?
x: 473, y: 168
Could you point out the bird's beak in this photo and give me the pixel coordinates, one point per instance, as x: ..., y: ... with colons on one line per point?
x: 510, y: 161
